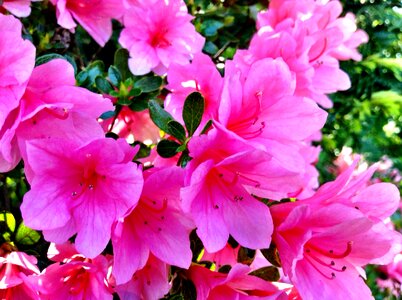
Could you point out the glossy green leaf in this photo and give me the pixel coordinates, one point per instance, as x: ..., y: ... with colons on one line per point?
x: 193, y: 110
x: 167, y: 148
x: 26, y: 235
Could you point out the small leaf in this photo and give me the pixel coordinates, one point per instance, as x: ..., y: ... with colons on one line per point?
x: 148, y: 84
x: 267, y: 273
x: 225, y: 269
x: 26, y: 235
x: 159, y: 116
x: 245, y: 256
x: 177, y: 130
x: 103, y: 85
x: 207, y: 127
x: 114, y: 75
x: 143, y: 152
x: 9, y: 219
x: 82, y: 77
x: 107, y: 115
x: 47, y: 57
x: 121, y: 62
x: 184, y: 159
x: 272, y: 255
x: 134, y: 92
x: 94, y: 70
x: 193, y: 110
x: 112, y: 135
x: 167, y: 148
x: 124, y: 100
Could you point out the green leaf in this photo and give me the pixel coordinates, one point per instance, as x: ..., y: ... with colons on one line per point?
x: 134, y: 92
x: 26, y: 235
x: 272, y: 255
x: 207, y: 127
x: 267, y: 273
x: 103, y: 85
x: 94, y: 70
x: 193, y: 110
x: 124, y: 100
x: 167, y: 148
x: 159, y: 116
x: 82, y: 77
x: 9, y: 219
x: 148, y: 84
x: 184, y: 158
x: 177, y: 130
x: 114, y: 75
x: 245, y: 256
x: 47, y: 57
x: 107, y: 115
x: 121, y: 62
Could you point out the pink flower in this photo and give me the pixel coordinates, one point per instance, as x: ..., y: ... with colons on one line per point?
x: 88, y: 187
x: 133, y: 126
x: 223, y: 173
x: 94, y: 15
x: 19, y: 8
x: 258, y: 105
x: 50, y: 107
x: 321, y: 37
x: 201, y: 76
x: 325, y: 240
x: 158, y: 33
x: 74, y: 276
x: 156, y: 225
x: 15, y: 66
x: 225, y: 256
x: 237, y: 285
x: 151, y: 282
x: 16, y: 269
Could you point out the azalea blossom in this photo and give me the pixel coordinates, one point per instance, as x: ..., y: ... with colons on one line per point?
x: 236, y: 285
x: 325, y: 240
x: 19, y: 8
x: 73, y: 276
x: 50, y: 107
x: 15, y: 69
x: 16, y: 270
x: 158, y: 33
x: 151, y: 282
x: 220, y: 178
x: 133, y: 126
x: 88, y: 187
x: 156, y: 225
x: 94, y: 15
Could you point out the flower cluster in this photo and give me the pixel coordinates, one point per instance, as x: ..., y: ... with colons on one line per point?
x: 241, y: 177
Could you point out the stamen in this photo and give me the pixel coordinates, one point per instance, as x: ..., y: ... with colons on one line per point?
x: 321, y: 262
x: 331, y: 253
x: 318, y: 270
x: 255, y: 182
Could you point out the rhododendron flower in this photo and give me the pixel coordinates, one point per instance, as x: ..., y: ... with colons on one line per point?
x: 74, y: 276
x: 151, y: 282
x: 322, y: 18
x: 16, y: 268
x: 158, y: 33
x: 201, y: 76
x: 225, y: 256
x: 222, y: 174
x: 323, y: 241
x: 52, y: 106
x: 236, y: 285
x: 88, y: 187
x: 15, y: 66
x: 260, y: 107
x: 156, y: 225
x: 94, y: 15
x: 19, y: 8
x: 133, y: 126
